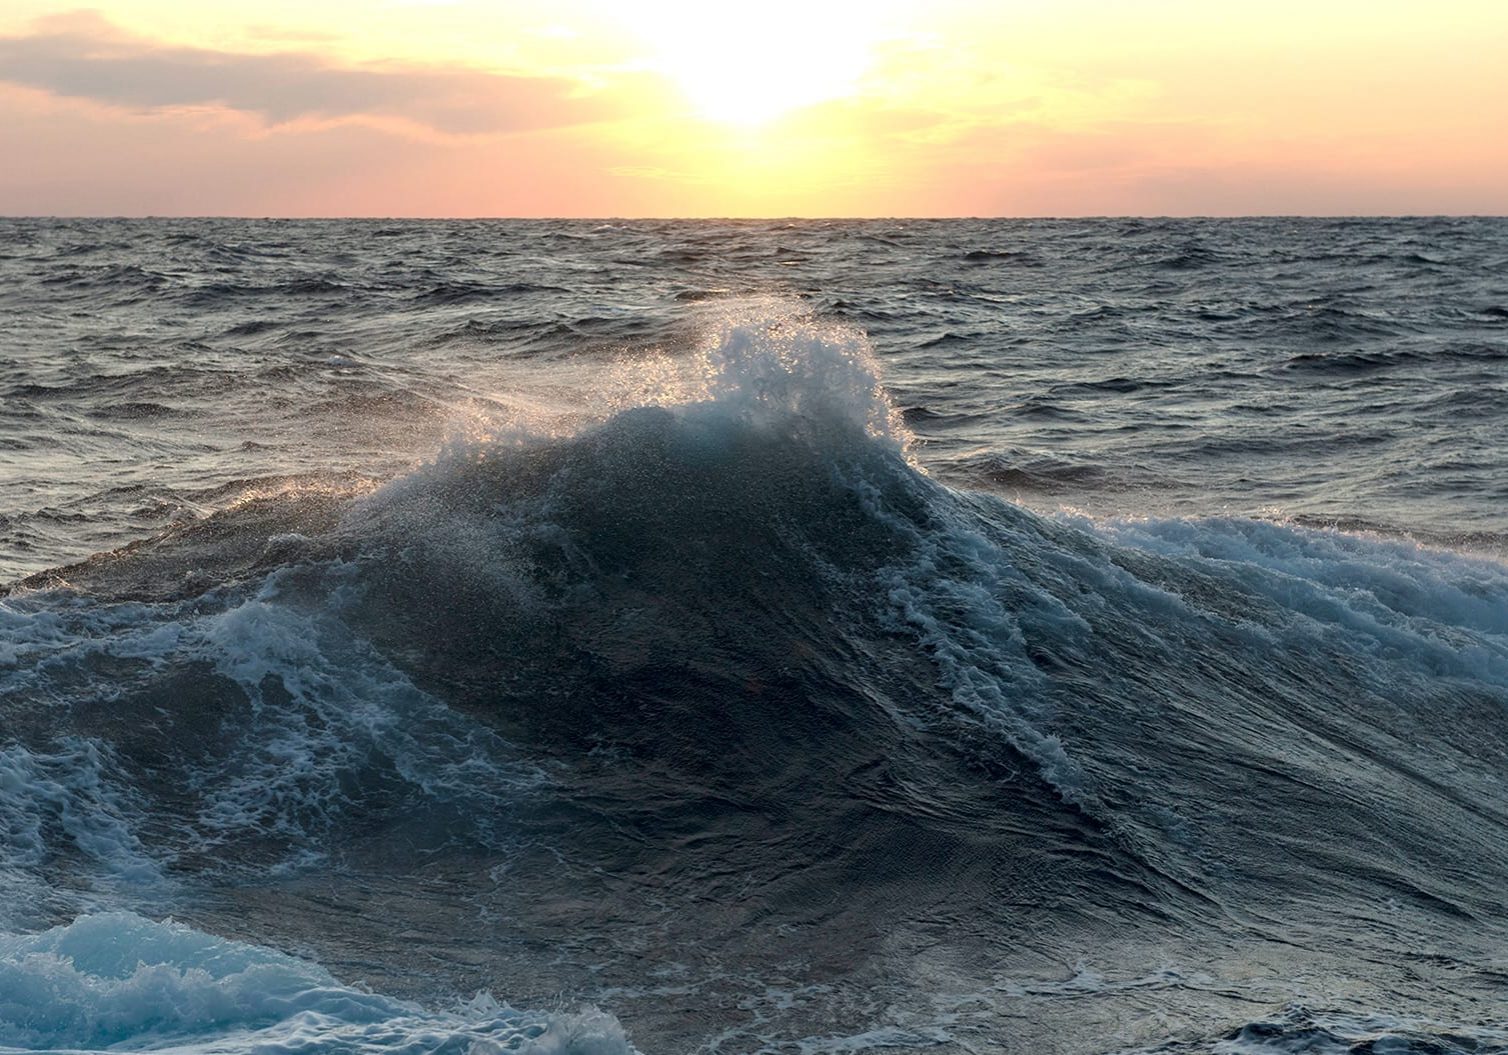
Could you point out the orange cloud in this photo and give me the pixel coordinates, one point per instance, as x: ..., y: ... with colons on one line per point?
x: 83, y: 56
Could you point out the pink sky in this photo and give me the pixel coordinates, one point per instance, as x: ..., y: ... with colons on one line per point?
x: 1082, y: 107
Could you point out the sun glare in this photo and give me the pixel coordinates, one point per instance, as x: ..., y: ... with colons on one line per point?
x: 748, y: 63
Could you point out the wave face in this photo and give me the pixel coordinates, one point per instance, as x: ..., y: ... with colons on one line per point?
x: 705, y: 701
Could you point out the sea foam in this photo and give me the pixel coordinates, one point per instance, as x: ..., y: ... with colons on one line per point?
x: 120, y: 981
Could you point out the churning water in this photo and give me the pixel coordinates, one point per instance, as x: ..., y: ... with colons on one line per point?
x: 741, y: 636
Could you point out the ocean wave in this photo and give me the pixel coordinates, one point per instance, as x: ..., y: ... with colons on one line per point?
x: 728, y: 632
x: 759, y: 483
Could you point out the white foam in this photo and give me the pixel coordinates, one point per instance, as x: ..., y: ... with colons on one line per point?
x: 351, y: 715
x: 119, y: 981
x: 340, y: 721
x: 1420, y: 611
x: 768, y: 361
x: 65, y: 804
x: 963, y: 597
x: 69, y: 787
x: 39, y: 629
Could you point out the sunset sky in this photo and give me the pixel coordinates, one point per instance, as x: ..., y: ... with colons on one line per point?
x: 764, y: 108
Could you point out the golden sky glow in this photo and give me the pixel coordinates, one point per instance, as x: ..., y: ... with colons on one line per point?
x: 762, y: 107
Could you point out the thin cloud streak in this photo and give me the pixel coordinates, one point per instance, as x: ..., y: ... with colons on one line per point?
x: 86, y: 57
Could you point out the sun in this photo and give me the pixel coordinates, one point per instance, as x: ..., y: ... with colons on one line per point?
x: 750, y: 62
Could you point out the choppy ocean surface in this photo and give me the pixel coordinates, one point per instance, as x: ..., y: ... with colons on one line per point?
x: 813, y: 637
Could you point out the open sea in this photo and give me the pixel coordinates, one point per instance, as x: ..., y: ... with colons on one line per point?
x: 809, y: 638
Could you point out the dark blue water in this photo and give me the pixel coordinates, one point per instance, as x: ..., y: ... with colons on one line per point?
x: 1076, y: 636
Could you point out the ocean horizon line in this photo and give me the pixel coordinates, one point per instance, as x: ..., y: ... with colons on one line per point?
x: 377, y: 217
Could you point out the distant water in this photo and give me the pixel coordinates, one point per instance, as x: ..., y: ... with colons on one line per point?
x: 961, y: 636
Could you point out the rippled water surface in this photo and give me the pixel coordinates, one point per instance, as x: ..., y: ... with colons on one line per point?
x: 971, y: 636
x: 1337, y: 371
